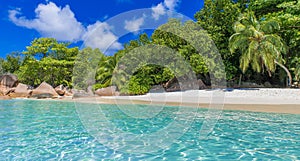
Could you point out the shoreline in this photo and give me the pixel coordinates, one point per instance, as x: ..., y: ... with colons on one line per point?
x: 267, y: 108
x: 255, y: 100
x: 285, y: 101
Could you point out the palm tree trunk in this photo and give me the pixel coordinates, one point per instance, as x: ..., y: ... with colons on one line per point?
x: 287, y: 72
x: 240, y: 80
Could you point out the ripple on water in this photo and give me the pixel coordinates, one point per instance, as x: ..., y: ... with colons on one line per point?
x: 52, y: 130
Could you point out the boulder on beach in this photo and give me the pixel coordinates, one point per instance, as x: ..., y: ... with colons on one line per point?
x: 68, y: 93
x: 201, y: 84
x: 7, y: 84
x: 61, y: 90
x: 251, y: 85
x: 183, y: 84
x: 80, y: 93
x: 43, y: 96
x: 267, y: 85
x: 108, y: 91
x: 157, y: 89
x: 9, y: 80
x: 44, y: 90
x: 4, y: 90
x: 5, y: 97
x: 21, y: 91
x: 295, y: 85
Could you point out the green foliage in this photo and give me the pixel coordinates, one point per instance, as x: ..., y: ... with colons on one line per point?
x: 139, y: 76
x: 231, y: 70
x: 98, y: 86
x: 145, y: 77
x: 198, y: 64
x: 105, y: 70
x: 296, y: 68
x: 43, y: 47
x: 259, y: 46
x: 287, y: 13
x: 29, y: 72
x: 177, y: 36
x: 11, y: 63
x: 217, y: 18
x: 53, y: 71
x: 136, y: 86
x: 55, y: 65
x: 241, y: 39
x: 85, y: 67
x: 57, y: 72
x: 262, y: 8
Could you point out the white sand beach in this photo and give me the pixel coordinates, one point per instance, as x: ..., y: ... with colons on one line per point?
x: 258, y: 99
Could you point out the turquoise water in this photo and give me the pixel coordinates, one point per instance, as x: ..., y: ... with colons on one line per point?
x: 52, y: 130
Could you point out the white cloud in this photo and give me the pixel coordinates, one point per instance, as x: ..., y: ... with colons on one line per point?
x: 99, y: 35
x: 134, y: 25
x: 162, y: 8
x: 61, y: 24
x: 171, y: 4
x: 51, y: 21
x: 158, y: 11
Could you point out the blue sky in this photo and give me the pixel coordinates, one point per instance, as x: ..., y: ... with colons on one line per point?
x: 92, y: 23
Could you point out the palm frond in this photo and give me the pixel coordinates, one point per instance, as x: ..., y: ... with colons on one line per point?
x: 270, y: 26
x: 237, y: 42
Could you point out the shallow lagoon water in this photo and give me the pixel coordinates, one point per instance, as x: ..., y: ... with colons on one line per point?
x: 52, y: 130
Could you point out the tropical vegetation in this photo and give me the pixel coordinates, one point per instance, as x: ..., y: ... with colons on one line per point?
x: 259, y: 42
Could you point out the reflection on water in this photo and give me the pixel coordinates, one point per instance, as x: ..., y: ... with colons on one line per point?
x: 52, y: 130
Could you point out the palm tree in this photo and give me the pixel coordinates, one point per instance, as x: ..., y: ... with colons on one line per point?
x: 259, y: 45
x: 106, y: 68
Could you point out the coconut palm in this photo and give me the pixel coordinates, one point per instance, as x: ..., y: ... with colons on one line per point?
x: 258, y: 43
x: 106, y: 68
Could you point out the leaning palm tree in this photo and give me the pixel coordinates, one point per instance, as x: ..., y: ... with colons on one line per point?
x: 258, y: 43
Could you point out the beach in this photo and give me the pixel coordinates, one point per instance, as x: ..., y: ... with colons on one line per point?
x: 272, y: 100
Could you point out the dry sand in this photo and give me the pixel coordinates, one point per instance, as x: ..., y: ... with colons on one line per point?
x: 258, y: 100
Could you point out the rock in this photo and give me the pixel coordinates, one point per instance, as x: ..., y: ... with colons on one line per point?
x: 9, y: 80
x: 80, y: 93
x: 63, y: 91
x: 60, y: 90
x: 90, y: 90
x: 67, y: 93
x: 295, y: 85
x: 43, y: 95
x: 267, y: 85
x: 21, y: 91
x: 172, y: 85
x: 183, y: 84
x: 117, y: 93
x: 4, y: 90
x: 46, y: 89
x: 4, y: 98
x: 7, y: 83
x: 250, y: 85
x: 157, y: 89
x: 201, y: 84
x: 108, y: 91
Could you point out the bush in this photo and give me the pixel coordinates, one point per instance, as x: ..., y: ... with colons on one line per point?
x: 136, y: 86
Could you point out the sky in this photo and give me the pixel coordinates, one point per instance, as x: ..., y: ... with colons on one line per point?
x: 106, y: 25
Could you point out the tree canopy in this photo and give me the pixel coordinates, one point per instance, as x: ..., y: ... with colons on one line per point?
x: 259, y: 34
